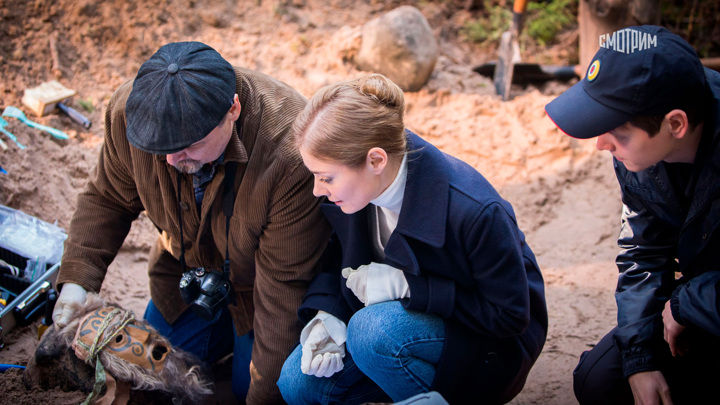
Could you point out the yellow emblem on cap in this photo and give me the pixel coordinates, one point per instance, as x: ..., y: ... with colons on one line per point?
x: 593, y: 70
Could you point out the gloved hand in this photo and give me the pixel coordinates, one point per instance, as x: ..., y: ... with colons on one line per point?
x: 321, y: 354
x: 377, y: 282
x: 357, y: 281
x: 62, y: 314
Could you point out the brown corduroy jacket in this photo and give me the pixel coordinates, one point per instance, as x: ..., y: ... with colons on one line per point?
x: 277, y: 232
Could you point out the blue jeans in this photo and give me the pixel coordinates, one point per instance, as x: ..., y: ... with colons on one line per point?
x: 391, y: 354
x: 209, y: 341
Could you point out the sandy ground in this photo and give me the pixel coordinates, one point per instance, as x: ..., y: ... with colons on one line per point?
x: 563, y: 191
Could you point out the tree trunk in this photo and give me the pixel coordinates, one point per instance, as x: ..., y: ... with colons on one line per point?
x: 473, y: 4
x: 600, y: 17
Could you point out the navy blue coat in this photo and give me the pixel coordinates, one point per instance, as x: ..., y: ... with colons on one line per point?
x: 464, y: 258
x: 660, y: 238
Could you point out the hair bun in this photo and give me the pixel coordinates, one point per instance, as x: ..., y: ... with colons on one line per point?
x: 382, y: 89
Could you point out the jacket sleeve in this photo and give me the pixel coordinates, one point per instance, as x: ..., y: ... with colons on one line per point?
x: 292, y: 242
x: 106, y: 207
x: 326, y: 292
x: 496, y: 300
x: 647, y: 271
x: 696, y: 303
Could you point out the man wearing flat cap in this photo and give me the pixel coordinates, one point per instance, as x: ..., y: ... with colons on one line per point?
x: 655, y: 108
x: 204, y: 149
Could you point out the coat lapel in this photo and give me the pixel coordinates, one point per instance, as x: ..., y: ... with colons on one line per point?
x: 423, y: 216
x: 352, y: 232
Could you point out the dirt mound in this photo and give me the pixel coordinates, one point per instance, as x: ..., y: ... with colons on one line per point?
x: 12, y: 381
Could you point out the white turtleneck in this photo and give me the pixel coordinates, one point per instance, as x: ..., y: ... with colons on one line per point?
x: 390, y: 202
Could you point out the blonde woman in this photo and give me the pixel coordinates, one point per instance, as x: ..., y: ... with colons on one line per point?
x: 428, y: 282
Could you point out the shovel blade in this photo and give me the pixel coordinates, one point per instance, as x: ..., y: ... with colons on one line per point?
x: 531, y: 73
x: 509, y: 54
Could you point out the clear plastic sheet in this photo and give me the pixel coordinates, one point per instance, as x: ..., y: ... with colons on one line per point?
x: 37, y: 240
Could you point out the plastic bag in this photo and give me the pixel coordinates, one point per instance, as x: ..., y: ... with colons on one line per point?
x: 30, y: 237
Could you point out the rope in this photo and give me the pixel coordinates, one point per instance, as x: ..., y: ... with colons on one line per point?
x: 94, y: 350
x: 97, y: 346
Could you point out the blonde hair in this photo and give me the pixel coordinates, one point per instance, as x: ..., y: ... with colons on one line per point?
x: 343, y: 121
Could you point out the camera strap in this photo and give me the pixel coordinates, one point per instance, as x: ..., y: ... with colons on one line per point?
x: 228, y: 202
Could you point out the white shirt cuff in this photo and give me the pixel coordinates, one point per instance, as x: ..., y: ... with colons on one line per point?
x: 335, y: 327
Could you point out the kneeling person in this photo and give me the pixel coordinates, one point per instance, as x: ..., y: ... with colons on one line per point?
x: 656, y: 111
x: 432, y: 286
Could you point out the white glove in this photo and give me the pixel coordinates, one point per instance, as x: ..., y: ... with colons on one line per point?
x: 357, y: 281
x: 321, y: 354
x: 377, y: 282
x: 62, y: 314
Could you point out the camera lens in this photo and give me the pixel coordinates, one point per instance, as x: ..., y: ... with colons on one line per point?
x: 206, y: 291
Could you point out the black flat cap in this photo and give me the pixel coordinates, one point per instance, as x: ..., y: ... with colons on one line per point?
x: 179, y: 96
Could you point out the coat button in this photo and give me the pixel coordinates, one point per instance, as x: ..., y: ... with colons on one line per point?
x: 704, y: 236
x: 492, y: 359
x: 183, y: 206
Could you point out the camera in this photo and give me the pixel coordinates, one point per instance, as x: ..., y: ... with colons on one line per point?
x: 206, y: 291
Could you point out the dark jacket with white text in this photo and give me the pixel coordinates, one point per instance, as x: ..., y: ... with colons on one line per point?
x: 658, y: 239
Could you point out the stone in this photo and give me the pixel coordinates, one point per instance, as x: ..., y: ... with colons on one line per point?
x: 399, y: 45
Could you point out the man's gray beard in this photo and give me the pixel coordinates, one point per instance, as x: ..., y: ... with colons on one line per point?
x: 189, y: 166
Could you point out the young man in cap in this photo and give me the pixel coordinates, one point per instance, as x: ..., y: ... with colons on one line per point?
x: 656, y: 111
x: 204, y: 149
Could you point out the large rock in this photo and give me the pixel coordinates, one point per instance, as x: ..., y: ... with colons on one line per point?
x: 399, y: 45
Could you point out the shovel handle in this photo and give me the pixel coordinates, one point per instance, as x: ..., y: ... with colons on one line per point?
x: 518, y: 15
x: 75, y: 115
x: 519, y: 6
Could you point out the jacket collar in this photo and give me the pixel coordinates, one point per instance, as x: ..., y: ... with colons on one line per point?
x: 235, y: 150
x: 423, y: 215
x: 424, y: 211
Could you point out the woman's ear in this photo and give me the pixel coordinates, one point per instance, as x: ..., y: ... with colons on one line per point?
x: 376, y: 160
x: 678, y: 123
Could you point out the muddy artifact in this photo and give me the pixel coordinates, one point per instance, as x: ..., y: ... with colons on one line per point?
x: 115, y: 358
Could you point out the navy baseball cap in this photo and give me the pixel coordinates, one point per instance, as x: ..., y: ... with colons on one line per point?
x: 638, y: 71
x: 178, y: 97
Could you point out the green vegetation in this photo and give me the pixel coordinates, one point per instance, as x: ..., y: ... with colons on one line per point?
x: 491, y: 27
x: 87, y: 105
x: 543, y: 21
x: 697, y: 21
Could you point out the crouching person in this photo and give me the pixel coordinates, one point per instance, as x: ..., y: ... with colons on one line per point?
x: 656, y: 111
x: 203, y: 148
x: 432, y: 286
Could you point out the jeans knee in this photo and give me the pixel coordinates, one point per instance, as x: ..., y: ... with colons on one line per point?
x: 365, y: 339
x: 286, y: 384
x: 288, y: 380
